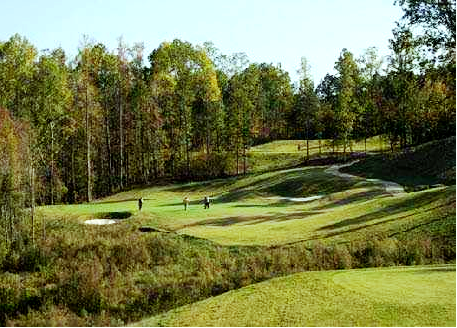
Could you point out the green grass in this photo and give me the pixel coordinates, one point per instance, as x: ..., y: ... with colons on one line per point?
x: 164, y: 257
x: 253, y: 210
x: 401, y: 296
x: 284, y: 153
x: 291, y: 146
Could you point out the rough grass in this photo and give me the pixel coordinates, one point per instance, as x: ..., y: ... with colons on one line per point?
x: 404, y: 296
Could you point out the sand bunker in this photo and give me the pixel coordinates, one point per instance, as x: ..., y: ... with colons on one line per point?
x: 298, y: 199
x: 100, y: 221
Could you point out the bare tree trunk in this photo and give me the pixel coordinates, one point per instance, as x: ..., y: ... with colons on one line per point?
x: 32, y: 209
x: 110, y: 164
x: 89, y: 178
x: 73, y: 174
x: 187, y: 157
x: 121, y: 136
x: 307, y: 139
x: 237, y: 155
x: 52, y: 163
x: 244, y: 160
x: 344, y: 149
x: 207, y: 142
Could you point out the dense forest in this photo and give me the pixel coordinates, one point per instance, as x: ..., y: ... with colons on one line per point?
x: 74, y: 129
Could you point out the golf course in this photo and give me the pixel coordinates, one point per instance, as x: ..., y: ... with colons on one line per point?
x: 234, y: 164
x: 301, y: 246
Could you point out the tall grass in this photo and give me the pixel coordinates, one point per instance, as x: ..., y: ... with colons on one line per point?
x: 114, y: 275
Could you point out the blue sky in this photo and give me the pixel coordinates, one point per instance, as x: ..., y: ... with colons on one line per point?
x: 267, y: 31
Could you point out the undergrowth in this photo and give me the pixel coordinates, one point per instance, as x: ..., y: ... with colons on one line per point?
x: 114, y: 275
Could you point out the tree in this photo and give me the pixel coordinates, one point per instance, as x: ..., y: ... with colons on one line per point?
x: 238, y: 111
x: 307, y: 103
x: 346, y: 103
x: 327, y: 92
x: 13, y: 167
x: 186, y: 82
x: 370, y: 66
x: 403, y: 82
x: 88, y: 113
x: 435, y: 19
x: 51, y: 94
x: 17, y: 63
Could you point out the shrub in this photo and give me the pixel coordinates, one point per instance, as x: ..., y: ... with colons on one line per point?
x: 342, y: 259
x: 101, y: 277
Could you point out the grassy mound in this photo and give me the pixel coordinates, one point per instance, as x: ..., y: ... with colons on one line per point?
x: 427, y: 164
x: 414, y: 296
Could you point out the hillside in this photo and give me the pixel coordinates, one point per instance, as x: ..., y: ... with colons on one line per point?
x: 277, y: 208
x: 375, y: 297
x: 427, y: 164
x: 282, y: 154
x: 258, y: 227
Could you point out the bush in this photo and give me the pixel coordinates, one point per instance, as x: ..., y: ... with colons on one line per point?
x: 101, y: 277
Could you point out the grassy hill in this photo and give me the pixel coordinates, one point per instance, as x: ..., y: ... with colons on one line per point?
x: 262, y: 209
x: 403, y: 296
x: 260, y: 226
x: 427, y: 164
x: 281, y: 154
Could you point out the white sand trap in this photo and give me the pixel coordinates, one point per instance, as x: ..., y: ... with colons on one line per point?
x: 100, y: 221
x: 298, y: 199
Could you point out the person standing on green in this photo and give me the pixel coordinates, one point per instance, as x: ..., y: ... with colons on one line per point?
x: 140, y: 203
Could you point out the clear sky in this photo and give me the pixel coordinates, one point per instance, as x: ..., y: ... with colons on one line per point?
x: 268, y: 31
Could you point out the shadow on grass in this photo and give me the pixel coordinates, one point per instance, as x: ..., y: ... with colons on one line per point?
x: 412, y: 167
x: 399, y: 206
x: 118, y: 201
x: 253, y: 220
x: 357, y: 197
x: 298, y: 182
x: 282, y: 203
x: 113, y: 215
x: 207, y: 186
x: 450, y: 268
x: 191, y: 203
x: 366, y: 226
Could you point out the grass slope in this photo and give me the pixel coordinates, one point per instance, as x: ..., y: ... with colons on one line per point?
x: 255, y: 210
x: 164, y: 257
x: 403, y: 296
x: 285, y: 153
x: 427, y: 164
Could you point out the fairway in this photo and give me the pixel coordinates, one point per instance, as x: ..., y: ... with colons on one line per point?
x: 262, y: 209
x: 402, y: 296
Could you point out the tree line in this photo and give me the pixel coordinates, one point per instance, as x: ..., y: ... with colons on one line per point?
x: 73, y: 129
